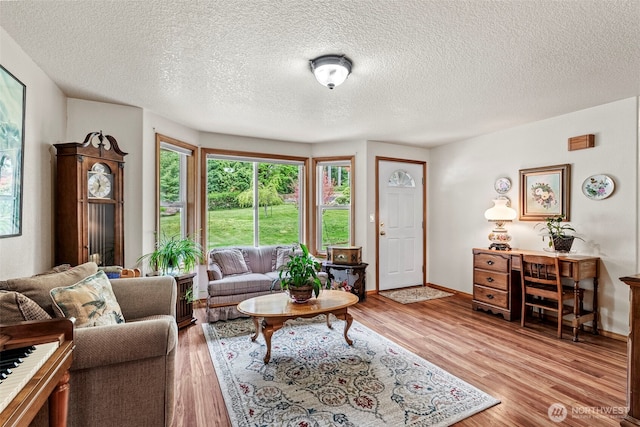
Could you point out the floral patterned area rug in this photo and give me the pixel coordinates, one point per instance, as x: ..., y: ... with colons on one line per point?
x: 415, y: 294
x: 315, y: 379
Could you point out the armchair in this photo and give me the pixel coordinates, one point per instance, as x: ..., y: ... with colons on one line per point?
x: 123, y: 375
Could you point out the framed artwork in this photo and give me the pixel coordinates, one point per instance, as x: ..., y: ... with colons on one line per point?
x: 12, y: 108
x: 545, y: 192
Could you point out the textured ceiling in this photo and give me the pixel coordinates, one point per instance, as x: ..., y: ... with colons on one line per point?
x: 425, y: 72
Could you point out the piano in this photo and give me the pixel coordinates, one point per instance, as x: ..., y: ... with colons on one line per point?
x: 41, y: 376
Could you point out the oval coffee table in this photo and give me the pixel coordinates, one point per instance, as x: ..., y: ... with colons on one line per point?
x: 275, y: 309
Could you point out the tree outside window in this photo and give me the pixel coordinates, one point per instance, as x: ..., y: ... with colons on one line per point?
x: 333, y: 211
x: 253, y: 201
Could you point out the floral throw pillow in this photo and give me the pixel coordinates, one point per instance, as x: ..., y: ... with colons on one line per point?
x: 91, y: 301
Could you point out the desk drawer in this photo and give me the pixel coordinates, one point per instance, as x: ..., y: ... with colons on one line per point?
x: 491, y: 279
x: 488, y: 261
x: 491, y: 296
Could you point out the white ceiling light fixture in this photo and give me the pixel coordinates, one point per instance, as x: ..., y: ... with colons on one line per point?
x: 331, y: 70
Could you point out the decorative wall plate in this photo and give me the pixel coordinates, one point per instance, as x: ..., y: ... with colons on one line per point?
x: 502, y: 185
x: 598, y: 187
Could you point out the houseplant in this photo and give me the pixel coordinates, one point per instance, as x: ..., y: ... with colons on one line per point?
x: 174, y: 255
x: 558, y: 233
x: 299, y: 276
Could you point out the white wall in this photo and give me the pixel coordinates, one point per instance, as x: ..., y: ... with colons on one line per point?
x: 462, y: 175
x: 44, y: 125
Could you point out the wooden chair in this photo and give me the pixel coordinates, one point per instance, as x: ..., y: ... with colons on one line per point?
x: 542, y: 288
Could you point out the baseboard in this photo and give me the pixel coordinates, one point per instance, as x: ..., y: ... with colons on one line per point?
x: 452, y: 291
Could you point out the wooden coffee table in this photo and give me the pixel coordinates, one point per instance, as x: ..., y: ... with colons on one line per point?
x: 275, y: 309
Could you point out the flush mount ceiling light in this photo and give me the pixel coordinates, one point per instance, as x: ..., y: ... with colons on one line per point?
x: 331, y: 70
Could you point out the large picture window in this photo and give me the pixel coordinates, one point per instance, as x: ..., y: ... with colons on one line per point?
x: 251, y: 200
x: 333, y: 202
x: 176, y: 187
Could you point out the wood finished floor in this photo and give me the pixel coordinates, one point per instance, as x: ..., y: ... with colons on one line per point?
x: 527, y: 369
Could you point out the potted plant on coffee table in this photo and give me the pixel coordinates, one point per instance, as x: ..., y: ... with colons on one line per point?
x: 299, y: 276
x: 558, y: 233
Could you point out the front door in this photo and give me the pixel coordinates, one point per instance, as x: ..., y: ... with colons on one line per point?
x: 401, y: 223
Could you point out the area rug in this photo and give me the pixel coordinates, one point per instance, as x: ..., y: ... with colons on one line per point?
x: 315, y: 379
x: 417, y: 294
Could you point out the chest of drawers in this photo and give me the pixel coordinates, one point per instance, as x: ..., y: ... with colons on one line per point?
x: 492, y: 284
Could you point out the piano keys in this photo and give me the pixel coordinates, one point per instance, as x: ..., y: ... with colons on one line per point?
x: 42, y: 376
x: 20, y: 375
x: 10, y: 359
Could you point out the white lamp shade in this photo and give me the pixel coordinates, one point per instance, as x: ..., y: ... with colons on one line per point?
x: 500, y: 211
x: 331, y: 70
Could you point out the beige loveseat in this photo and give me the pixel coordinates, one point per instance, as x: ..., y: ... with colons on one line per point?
x: 123, y: 374
x: 239, y: 273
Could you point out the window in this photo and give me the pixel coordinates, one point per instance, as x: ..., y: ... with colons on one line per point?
x: 333, y: 207
x: 253, y: 199
x: 176, y: 187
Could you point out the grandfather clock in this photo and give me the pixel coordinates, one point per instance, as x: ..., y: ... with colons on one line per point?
x: 89, y: 201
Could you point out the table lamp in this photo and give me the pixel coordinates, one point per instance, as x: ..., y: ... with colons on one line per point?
x: 500, y: 213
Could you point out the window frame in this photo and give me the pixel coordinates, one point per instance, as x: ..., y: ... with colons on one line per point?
x: 252, y: 157
x: 188, y: 185
x: 317, y: 196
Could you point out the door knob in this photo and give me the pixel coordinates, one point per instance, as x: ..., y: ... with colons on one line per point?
x: 382, y: 232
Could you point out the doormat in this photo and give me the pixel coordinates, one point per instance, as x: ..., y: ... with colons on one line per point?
x: 315, y: 379
x: 417, y: 294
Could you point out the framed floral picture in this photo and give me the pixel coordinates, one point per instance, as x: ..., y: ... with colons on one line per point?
x: 12, y: 108
x: 545, y: 192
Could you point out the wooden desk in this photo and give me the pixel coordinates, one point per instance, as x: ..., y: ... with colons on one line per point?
x: 497, y: 287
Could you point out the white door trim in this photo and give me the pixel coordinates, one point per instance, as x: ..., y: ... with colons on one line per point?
x: 377, y: 215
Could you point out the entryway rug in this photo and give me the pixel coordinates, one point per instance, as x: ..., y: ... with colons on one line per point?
x: 416, y: 294
x: 315, y: 379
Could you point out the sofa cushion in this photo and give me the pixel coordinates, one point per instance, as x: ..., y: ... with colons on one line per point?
x: 16, y: 308
x: 214, y: 272
x: 57, y: 269
x: 281, y: 256
x: 241, y: 284
x: 231, y: 261
x: 91, y: 301
x: 37, y: 288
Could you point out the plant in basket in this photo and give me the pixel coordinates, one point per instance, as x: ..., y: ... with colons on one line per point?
x: 299, y: 276
x: 558, y: 233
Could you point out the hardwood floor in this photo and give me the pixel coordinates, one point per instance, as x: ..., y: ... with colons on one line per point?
x: 527, y: 369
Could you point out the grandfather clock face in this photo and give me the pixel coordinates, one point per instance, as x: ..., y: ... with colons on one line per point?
x: 100, y: 182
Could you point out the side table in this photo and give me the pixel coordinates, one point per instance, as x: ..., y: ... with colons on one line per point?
x: 353, y: 276
x: 184, y: 308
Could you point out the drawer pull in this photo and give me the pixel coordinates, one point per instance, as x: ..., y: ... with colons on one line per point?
x: 489, y: 296
x: 490, y: 262
x: 489, y: 279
